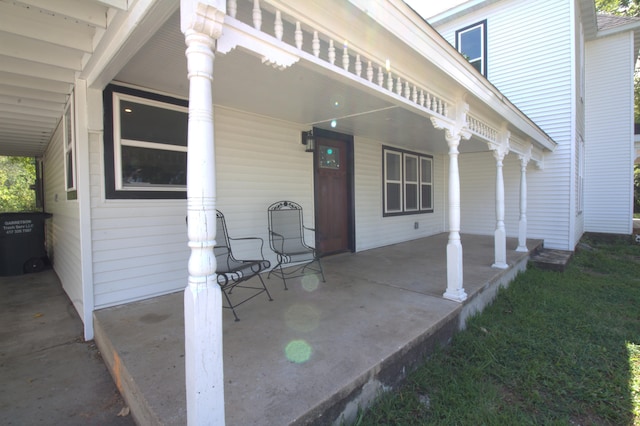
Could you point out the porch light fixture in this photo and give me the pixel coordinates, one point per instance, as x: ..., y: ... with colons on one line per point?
x: 309, y: 141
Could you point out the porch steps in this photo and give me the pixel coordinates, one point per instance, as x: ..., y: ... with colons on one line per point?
x: 550, y: 259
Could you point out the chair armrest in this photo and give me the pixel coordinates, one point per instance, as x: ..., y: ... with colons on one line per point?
x: 251, y: 238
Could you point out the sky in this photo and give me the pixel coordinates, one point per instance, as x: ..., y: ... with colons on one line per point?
x: 428, y: 8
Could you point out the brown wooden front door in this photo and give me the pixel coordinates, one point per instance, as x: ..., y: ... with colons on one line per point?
x: 333, y: 177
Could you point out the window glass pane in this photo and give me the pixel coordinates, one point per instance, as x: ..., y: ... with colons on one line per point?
x: 425, y: 176
x: 393, y: 197
x: 68, y: 131
x: 410, y: 168
x: 69, y: 170
x: 471, y: 43
x: 148, y: 123
x: 411, y: 197
x: 144, y: 166
x: 426, y: 203
x: 393, y: 166
x: 329, y: 157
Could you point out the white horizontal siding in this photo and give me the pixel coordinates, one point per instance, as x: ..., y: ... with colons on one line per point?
x: 140, y: 246
x: 478, y: 193
x: 530, y: 48
x: 63, y: 232
x: 374, y: 230
x: 609, y: 135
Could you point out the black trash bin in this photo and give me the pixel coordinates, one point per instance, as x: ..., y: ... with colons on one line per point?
x: 22, y: 243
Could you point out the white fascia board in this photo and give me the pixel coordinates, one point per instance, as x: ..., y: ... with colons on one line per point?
x: 399, y: 19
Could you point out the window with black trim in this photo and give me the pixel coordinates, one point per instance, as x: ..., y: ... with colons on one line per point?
x: 407, y: 182
x: 471, y: 41
x: 145, y: 144
x: 69, y: 138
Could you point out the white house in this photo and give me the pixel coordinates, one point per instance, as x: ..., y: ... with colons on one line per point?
x: 529, y: 134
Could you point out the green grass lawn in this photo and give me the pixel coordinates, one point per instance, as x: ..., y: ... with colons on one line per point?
x: 553, y: 349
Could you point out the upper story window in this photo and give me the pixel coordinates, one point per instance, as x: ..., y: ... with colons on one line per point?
x: 407, y: 182
x: 145, y: 144
x: 472, y: 43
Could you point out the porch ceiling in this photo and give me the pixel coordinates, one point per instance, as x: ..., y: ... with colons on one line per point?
x: 296, y: 94
x: 44, y: 44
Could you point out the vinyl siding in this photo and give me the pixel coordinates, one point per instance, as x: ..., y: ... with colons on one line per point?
x: 63, y: 233
x: 609, y: 135
x: 140, y: 246
x: 478, y: 193
x: 530, y: 60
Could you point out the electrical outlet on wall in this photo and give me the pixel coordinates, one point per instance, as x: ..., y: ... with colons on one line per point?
x: 416, y: 225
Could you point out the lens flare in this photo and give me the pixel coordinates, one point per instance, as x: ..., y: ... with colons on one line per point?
x: 310, y: 283
x: 298, y: 351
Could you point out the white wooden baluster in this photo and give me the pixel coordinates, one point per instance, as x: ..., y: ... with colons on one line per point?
x: 446, y: 109
x: 370, y: 71
x: 380, y: 76
x: 257, y: 15
x: 232, y: 8
x: 298, y: 35
x: 407, y: 90
x: 414, y: 94
x: 332, y: 53
x: 421, y: 100
x: 428, y: 102
x: 389, y: 82
x: 358, y: 66
x: 345, y: 57
x: 316, y: 45
x: 434, y: 104
x: 278, y: 28
x: 399, y: 86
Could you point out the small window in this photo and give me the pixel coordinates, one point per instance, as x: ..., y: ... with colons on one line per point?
x: 328, y: 157
x: 145, y: 145
x: 472, y: 43
x: 408, y: 182
x: 68, y: 130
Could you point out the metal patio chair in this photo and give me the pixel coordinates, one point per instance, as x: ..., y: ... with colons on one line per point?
x: 286, y: 238
x: 233, y: 273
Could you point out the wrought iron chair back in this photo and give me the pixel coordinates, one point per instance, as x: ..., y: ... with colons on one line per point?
x: 232, y: 273
x: 286, y: 239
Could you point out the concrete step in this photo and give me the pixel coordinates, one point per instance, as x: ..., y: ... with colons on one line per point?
x: 550, y: 259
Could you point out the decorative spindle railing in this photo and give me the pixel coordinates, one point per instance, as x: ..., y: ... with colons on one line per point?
x: 482, y: 129
x: 323, y: 47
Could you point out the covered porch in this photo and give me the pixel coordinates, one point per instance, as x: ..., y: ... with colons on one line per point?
x: 319, y: 350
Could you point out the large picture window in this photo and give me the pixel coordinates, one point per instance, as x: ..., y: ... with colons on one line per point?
x: 145, y: 144
x: 407, y: 182
x: 471, y: 41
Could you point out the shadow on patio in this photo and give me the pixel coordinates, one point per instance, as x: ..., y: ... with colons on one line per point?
x: 319, y: 349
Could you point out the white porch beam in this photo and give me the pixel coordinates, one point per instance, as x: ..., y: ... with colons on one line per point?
x: 201, y: 23
x: 500, y: 234
x: 522, y: 224
x: 454, y: 132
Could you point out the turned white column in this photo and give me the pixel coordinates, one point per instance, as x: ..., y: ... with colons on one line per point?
x: 455, y: 290
x: 201, y: 23
x: 500, y: 234
x: 522, y: 231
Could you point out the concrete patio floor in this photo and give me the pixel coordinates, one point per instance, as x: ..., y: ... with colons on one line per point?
x: 319, y: 350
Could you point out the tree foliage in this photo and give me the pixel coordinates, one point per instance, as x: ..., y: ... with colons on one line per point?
x: 619, y: 7
x: 17, y: 175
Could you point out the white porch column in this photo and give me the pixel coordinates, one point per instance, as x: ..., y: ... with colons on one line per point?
x: 500, y: 234
x: 522, y: 231
x: 201, y: 23
x: 455, y: 290
x: 455, y: 131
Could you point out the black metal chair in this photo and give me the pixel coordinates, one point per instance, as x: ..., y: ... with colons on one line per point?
x: 233, y: 273
x: 286, y: 238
